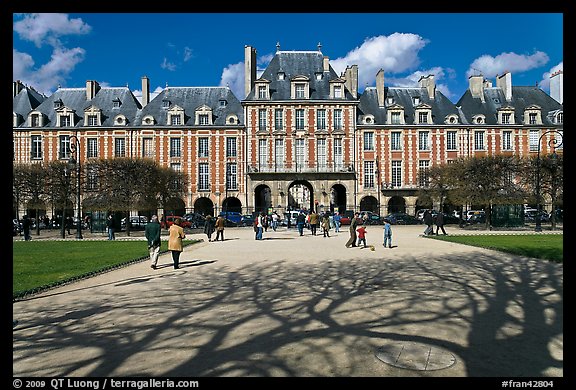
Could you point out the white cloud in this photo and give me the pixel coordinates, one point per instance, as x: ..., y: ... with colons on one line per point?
x: 138, y: 93
x: 264, y: 60
x: 187, y: 54
x: 395, y: 53
x: 46, y: 78
x: 233, y: 76
x: 47, y: 28
x: 490, y: 66
x: 168, y: 65
x: 545, y: 82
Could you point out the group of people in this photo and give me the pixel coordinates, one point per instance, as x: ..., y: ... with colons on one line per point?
x: 212, y: 225
x: 430, y: 220
x: 175, y: 237
x: 358, y: 233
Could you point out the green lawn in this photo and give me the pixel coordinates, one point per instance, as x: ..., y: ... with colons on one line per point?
x: 540, y: 246
x: 41, y: 264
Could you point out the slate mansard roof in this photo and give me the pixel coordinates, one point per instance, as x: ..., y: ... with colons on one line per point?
x: 190, y: 99
x: 25, y: 101
x: 441, y: 106
x: 522, y: 98
x: 298, y: 63
x: 75, y: 99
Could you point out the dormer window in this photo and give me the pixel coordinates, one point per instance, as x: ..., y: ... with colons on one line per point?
x: 318, y: 75
x: 120, y: 120
x: 203, y: 116
x: 116, y: 103
x: 506, y: 116
x: 337, y: 88
x: 368, y: 119
x: 165, y: 103
x: 395, y: 115
x: 176, y: 116
x: 423, y: 114
x: 560, y: 117
x: 92, y: 116
x: 479, y: 119
x: 36, y: 119
x: 148, y: 120
x: 58, y: 103
x: 300, y: 87
x: 231, y: 119
x: 451, y: 119
x: 65, y: 117
x: 337, y: 91
x: 389, y: 100
x: 416, y: 100
x: 532, y: 115
x: 281, y: 75
x: 222, y: 102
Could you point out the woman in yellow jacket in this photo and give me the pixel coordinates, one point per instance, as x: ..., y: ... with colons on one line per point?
x: 176, y: 233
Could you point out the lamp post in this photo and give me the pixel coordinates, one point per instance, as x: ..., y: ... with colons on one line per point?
x: 75, y: 160
x: 556, y: 143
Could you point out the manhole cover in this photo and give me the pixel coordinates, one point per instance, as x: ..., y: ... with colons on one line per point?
x: 414, y: 356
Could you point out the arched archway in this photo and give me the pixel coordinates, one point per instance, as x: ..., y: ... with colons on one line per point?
x: 175, y: 206
x: 262, y: 198
x: 396, y: 204
x: 369, y: 203
x: 204, y: 206
x: 300, y: 195
x: 232, y: 204
x: 338, y: 198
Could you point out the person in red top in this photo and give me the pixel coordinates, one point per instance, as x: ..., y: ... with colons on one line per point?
x: 361, y: 235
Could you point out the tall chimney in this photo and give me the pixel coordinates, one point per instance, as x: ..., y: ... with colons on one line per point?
x: 92, y: 87
x: 352, y: 80
x: 557, y: 86
x: 326, y: 63
x: 428, y: 83
x: 249, y: 68
x: 17, y: 86
x: 505, y: 82
x: 476, y: 86
x: 145, y: 91
x: 380, y: 87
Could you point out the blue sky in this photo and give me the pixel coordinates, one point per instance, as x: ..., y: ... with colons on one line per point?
x: 207, y: 49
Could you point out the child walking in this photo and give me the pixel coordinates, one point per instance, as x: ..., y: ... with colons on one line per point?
x: 387, y: 234
x: 362, y: 235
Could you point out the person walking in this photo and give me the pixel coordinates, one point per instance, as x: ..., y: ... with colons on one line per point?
x: 313, y: 222
x: 260, y: 225
x: 326, y: 225
x: 337, y: 218
x: 275, y: 219
x: 176, y: 235
x: 429, y: 221
x: 220, y: 223
x: 209, y: 227
x: 353, y: 224
x: 26, y: 224
x: 110, y: 227
x: 300, y: 220
x: 362, y: 235
x: 440, y: 223
x: 387, y: 234
x: 152, y: 233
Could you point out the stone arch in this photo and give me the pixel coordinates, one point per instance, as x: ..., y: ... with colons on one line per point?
x: 338, y: 198
x: 262, y: 198
x: 175, y: 206
x: 232, y: 203
x: 396, y: 204
x: 300, y: 195
x: 369, y: 203
x: 204, y: 206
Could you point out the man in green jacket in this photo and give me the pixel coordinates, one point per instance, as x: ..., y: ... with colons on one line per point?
x: 152, y: 232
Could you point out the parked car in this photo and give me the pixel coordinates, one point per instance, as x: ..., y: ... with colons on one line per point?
x: 196, y: 220
x: 292, y: 214
x: 371, y: 218
x: 16, y: 227
x: 137, y: 222
x: 169, y: 220
x: 477, y: 218
x: 420, y: 214
x: 530, y: 216
x: 471, y: 213
x: 346, y: 217
x: 450, y: 219
x: 232, y: 216
x: 402, y: 219
x: 247, y: 220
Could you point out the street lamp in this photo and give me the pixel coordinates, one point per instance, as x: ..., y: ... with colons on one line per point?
x: 556, y: 143
x: 75, y: 160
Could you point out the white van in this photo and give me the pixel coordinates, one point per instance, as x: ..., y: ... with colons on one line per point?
x: 470, y: 213
x: 292, y: 215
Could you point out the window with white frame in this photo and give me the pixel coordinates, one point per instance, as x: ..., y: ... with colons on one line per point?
x: 203, y: 177
x: 479, y: 140
x: 396, y: 173
x: 300, y: 153
x: 338, y: 119
x: 300, y: 89
x: 175, y: 183
x: 532, y: 118
x: 175, y: 147
x: 321, y: 119
x: 423, y: 173
x: 262, y: 119
x: 368, y: 174
x: 368, y: 141
x: 35, y: 120
x: 231, y: 176
x: 338, y: 155
x: 533, y: 138
x: 65, y: 120
x: 278, y: 119
x: 506, y: 118
x: 279, y: 152
x: 395, y: 117
x: 338, y: 92
x: 231, y: 148
x: 203, y: 147
x: 203, y: 119
x: 321, y: 153
x: 92, y: 147
x: 300, y: 119
x: 36, y: 147
x: 148, y: 147
x: 262, y: 92
x: 395, y: 143
x: 560, y: 117
x: 416, y: 100
x: 423, y: 140
x: 92, y: 120
x: 64, y: 146
x: 262, y: 153
x: 423, y: 117
x: 451, y: 140
x: 506, y: 140
x: 119, y: 147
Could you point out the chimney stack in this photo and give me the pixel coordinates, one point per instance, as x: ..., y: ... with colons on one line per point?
x: 428, y: 83
x: 557, y: 86
x: 145, y: 91
x: 17, y: 86
x: 326, y: 63
x: 476, y: 86
x: 249, y: 68
x: 505, y: 83
x: 92, y: 88
x: 380, y: 87
x: 351, y: 75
